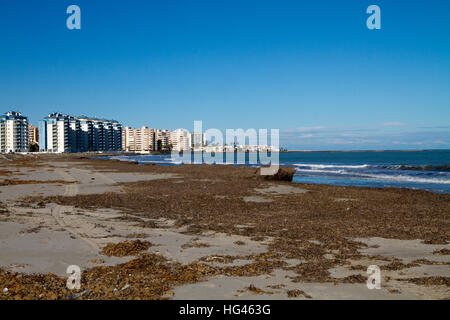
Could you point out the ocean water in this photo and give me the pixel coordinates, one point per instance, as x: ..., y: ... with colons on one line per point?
x: 427, y: 170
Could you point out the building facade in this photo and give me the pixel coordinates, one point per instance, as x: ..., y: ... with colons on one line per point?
x: 162, y: 140
x: 13, y: 132
x: 64, y: 133
x: 138, y: 140
x: 180, y: 140
x: 33, y: 135
x: 99, y: 134
x: 146, y: 139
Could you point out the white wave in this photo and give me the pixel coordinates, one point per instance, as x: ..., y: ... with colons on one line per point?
x: 323, y: 171
x: 396, y: 178
x: 121, y: 158
x: 405, y: 178
x: 324, y: 166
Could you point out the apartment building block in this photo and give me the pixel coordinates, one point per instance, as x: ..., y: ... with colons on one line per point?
x: 13, y: 132
x: 33, y: 134
x: 64, y: 133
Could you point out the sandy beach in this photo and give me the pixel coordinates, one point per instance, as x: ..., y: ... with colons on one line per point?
x: 211, y: 232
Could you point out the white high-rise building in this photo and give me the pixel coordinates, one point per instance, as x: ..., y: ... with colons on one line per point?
x: 180, y: 140
x: 63, y: 133
x: 162, y: 139
x: 94, y: 134
x: 56, y: 133
x: 13, y: 132
x: 85, y: 136
x: 145, y: 139
x: 138, y: 140
x: 100, y: 134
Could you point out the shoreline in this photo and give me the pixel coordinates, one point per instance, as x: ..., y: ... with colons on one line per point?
x: 410, y: 175
x: 217, y: 232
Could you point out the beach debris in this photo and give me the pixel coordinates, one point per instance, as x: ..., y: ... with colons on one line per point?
x: 220, y: 259
x: 14, y: 182
x: 97, y: 261
x: 170, y: 293
x: 276, y: 286
x: 78, y: 295
x: 195, y: 245
x: 5, y: 290
x: 253, y: 289
x: 136, y: 235
x: 429, y: 281
x: 296, y: 293
x: 442, y: 252
x: 125, y: 287
x: 126, y: 248
x: 394, y: 291
x: 356, y: 278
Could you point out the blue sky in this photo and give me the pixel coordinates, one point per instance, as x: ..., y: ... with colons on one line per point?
x: 309, y: 68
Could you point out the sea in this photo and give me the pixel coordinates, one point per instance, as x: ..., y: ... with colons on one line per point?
x: 426, y: 170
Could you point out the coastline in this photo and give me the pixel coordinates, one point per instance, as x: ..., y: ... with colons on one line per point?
x: 215, y: 232
x: 428, y: 170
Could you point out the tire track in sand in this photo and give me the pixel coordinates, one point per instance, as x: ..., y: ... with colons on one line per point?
x: 71, y: 190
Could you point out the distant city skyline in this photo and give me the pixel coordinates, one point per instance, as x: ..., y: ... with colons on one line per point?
x: 311, y: 69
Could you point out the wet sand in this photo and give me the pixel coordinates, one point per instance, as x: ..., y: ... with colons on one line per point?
x: 214, y: 232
